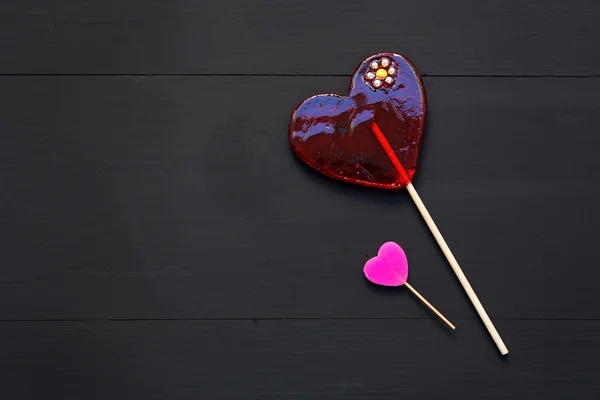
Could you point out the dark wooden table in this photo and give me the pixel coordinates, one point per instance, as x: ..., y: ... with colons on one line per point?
x: 159, y: 240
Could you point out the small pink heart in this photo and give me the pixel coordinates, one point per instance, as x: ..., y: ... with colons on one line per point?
x: 389, y: 268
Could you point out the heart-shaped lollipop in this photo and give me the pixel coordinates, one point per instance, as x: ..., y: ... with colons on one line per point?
x: 390, y: 268
x: 372, y: 138
x: 333, y: 134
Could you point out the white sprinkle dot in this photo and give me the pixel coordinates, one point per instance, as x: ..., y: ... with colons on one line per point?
x: 391, y: 70
x: 370, y: 76
x: 374, y: 64
x: 385, y: 62
x: 389, y: 80
x: 377, y: 83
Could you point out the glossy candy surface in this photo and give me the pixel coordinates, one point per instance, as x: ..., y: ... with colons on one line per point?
x: 333, y: 134
x: 389, y: 268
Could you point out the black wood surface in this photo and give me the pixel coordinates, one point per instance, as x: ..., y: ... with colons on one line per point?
x: 535, y: 37
x: 159, y: 239
x: 160, y: 186
x: 322, y: 359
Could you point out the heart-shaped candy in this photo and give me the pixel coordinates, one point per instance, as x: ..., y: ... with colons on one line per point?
x: 389, y: 268
x: 333, y: 134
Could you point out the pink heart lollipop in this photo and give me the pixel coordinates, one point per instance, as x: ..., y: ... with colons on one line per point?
x: 390, y: 268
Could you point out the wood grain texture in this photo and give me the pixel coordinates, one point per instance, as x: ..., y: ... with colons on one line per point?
x: 159, y: 240
x: 464, y: 37
x: 323, y: 359
x: 178, y: 197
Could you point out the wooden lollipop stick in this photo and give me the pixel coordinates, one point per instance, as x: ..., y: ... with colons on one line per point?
x: 428, y: 304
x: 457, y: 270
x: 440, y: 240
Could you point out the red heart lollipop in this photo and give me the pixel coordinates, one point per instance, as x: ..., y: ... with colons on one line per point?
x: 334, y: 135
x: 372, y: 138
